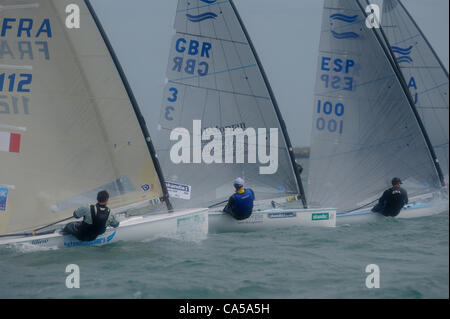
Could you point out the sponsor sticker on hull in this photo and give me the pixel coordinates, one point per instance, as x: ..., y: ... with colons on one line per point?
x: 282, y: 215
x: 320, y: 216
x: 98, y: 241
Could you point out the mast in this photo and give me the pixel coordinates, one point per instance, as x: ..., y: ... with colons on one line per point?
x: 277, y: 110
x: 135, y: 105
x: 390, y: 55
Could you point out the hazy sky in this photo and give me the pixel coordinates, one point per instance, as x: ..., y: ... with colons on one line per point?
x: 285, y: 34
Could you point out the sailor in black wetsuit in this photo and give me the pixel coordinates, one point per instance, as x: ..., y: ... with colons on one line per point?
x: 393, y: 199
x: 240, y: 204
x: 95, y: 220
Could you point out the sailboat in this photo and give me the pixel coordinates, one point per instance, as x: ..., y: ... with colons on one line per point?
x: 70, y: 127
x: 424, y: 74
x: 216, y: 86
x: 366, y: 127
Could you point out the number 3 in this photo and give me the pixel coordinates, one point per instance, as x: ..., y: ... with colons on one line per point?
x: 168, y: 110
x: 174, y: 95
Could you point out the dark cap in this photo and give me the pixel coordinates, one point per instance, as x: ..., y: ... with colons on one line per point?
x: 396, y: 181
x: 102, y: 196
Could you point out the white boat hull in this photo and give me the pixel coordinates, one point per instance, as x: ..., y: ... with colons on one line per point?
x: 271, y: 218
x: 191, y: 224
x: 413, y: 210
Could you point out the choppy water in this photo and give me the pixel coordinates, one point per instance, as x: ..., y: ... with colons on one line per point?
x: 413, y: 257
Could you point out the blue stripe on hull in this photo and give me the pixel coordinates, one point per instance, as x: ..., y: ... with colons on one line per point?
x: 366, y: 212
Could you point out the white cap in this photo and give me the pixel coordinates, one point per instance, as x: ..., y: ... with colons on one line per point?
x: 239, y: 181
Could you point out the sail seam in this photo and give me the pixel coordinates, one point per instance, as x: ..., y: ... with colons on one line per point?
x: 218, y: 90
x: 203, y: 6
x: 210, y: 37
x: 214, y: 73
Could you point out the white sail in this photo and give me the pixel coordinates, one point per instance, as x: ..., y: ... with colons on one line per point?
x: 215, y: 77
x: 365, y: 130
x: 425, y: 75
x: 73, y: 126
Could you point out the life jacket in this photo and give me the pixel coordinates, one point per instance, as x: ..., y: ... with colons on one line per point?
x: 243, y: 204
x: 394, y: 202
x: 99, y: 216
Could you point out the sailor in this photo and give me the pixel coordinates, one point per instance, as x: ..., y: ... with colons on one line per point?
x: 240, y: 204
x: 95, y: 219
x: 392, y: 200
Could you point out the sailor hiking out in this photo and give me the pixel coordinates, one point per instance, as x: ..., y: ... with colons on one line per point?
x: 240, y: 204
x: 95, y: 219
x: 392, y: 200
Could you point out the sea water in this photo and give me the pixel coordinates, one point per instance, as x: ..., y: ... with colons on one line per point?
x: 412, y: 256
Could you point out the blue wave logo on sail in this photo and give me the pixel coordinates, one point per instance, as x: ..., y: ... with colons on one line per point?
x: 404, y: 58
x: 343, y: 17
x: 201, y: 17
x: 344, y: 35
x: 208, y: 1
x: 402, y: 51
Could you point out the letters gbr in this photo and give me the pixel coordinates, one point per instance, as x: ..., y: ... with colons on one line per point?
x: 192, y: 56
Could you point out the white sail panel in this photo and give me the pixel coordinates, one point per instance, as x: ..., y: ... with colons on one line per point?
x: 78, y: 130
x: 425, y: 75
x: 214, y: 76
x: 364, y: 129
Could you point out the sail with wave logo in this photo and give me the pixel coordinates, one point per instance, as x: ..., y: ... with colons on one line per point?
x: 365, y: 128
x: 424, y: 74
x: 69, y: 124
x: 216, y: 86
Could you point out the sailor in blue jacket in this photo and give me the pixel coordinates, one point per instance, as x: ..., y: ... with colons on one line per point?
x: 240, y: 204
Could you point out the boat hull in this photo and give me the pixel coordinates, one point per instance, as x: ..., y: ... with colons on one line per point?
x: 272, y: 218
x: 191, y: 224
x: 414, y: 210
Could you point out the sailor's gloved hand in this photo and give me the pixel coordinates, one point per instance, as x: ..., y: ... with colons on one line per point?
x: 115, y: 225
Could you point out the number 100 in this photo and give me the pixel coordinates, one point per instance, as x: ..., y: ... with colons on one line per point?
x: 332, y: 125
